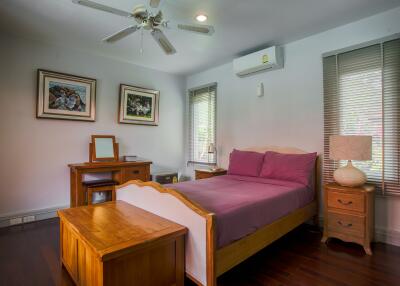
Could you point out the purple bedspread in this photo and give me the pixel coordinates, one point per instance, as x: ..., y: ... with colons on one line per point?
x: 244, y: 204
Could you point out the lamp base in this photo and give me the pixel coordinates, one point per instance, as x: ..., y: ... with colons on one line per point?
x: 349, y: 176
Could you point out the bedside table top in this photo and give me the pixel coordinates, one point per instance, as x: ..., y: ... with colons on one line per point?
x: 364, y: 188
x: 211, y: 171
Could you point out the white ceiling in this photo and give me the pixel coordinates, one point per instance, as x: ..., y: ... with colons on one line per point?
x: 240, y: 26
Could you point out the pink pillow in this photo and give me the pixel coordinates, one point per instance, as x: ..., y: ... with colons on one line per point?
x: 289, y: 167
x: 245, y: 163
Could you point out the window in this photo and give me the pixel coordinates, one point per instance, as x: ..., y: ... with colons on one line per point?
x: 202, y: 125
x: 362, y: 97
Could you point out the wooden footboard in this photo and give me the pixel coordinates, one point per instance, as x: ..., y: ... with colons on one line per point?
x: 175, y: 206
x: 203, y: 262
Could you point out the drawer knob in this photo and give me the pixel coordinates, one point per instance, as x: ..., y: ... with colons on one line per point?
x: 135, y: 172
x: 344, y: 225
x: 345, y: 203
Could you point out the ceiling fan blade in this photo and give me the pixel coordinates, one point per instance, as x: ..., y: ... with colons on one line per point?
x: 162, y: 40
x: 102, y: 7
x: 121, y: 34
x: 199, y: 29
x: 154, y: 3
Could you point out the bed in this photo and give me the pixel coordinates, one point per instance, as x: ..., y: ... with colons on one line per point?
x: 244, y: 214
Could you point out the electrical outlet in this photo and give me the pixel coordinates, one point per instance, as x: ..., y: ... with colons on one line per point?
x: 28, y: 218
x: 16, y: 220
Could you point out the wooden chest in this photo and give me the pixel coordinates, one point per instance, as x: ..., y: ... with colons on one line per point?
x: 118, y: 244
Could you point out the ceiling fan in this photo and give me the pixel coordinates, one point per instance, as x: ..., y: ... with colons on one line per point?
x: 147, y: 20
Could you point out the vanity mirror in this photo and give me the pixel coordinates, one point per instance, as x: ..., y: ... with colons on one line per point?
x: 103, y: 148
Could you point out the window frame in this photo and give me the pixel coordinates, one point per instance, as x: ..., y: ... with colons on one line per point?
x: 191, y: 92
x: 332, y: 117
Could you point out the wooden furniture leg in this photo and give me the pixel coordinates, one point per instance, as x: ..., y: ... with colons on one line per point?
x: 89, y: 196
x: 80, y: 196
x: 367, y: 249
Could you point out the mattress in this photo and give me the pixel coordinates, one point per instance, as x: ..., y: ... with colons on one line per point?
x: 243, y: 204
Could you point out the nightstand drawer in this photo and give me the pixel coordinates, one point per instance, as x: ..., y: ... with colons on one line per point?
x: 347, y: 224
x: 350, y: 201
x: 200, y: 176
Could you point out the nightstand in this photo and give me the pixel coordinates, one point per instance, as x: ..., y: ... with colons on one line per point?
x: 204, y: 174
x: 349, y: 214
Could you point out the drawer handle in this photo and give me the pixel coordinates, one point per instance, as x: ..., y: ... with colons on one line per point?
x: 344, y: 225
x: 135, y: 172
x: 345, y: 203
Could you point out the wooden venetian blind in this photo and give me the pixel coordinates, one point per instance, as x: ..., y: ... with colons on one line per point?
x: 361, y: 97
x: 202, y: 124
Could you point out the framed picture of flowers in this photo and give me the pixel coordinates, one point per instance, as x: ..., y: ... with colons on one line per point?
x: 138, y: 105
x: 65, y: 96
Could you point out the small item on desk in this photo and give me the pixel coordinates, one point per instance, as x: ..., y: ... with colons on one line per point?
x: 133, y: 158
x: 130, y: 158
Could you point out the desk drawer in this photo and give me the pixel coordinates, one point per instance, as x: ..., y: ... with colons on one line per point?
x: 346, y: 224
x: 350, y: 201
x: 136, y: 173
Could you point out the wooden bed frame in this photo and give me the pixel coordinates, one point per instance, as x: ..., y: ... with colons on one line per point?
x: 204, y: 262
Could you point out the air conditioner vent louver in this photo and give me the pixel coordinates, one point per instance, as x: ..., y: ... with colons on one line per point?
x: 268, y: 59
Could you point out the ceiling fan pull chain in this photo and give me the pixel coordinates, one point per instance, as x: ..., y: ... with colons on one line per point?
x: 141, y: 42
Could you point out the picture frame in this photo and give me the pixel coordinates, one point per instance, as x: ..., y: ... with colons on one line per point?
x: 138, y: 105
x: 65, y: 96
x: 103, y: 148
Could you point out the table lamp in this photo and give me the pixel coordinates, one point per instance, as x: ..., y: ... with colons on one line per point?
x: 213, y: 150
x: 351, y: 147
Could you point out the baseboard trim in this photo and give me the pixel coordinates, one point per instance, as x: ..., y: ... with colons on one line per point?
x: 381, y: 234
x: 42, y: 214
x: 387, y: 236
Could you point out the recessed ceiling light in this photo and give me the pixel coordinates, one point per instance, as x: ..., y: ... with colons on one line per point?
x: 201, y: 18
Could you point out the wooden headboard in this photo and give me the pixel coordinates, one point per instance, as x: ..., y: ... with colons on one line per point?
x: 284, y: 150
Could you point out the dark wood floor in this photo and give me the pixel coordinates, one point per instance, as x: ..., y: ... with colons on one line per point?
x: 29, y: 255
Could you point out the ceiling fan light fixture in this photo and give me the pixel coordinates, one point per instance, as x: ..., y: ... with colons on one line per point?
x: 201, y: 18
x: 152, y: 21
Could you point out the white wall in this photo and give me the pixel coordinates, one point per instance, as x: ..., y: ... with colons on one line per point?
x: 291, y: 112
x: 34, y: 152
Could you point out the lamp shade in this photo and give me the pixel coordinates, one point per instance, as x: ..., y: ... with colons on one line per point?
x: 350, y: 147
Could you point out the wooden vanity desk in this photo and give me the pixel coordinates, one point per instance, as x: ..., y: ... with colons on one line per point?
x: 121, y: 172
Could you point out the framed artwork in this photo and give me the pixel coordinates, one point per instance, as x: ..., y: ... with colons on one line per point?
x: 138, y: 105
x: 64, y: 96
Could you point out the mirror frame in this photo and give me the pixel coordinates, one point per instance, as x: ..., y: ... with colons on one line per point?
x: 92, y: 147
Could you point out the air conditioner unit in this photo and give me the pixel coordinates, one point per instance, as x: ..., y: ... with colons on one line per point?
x: 268, y: 59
